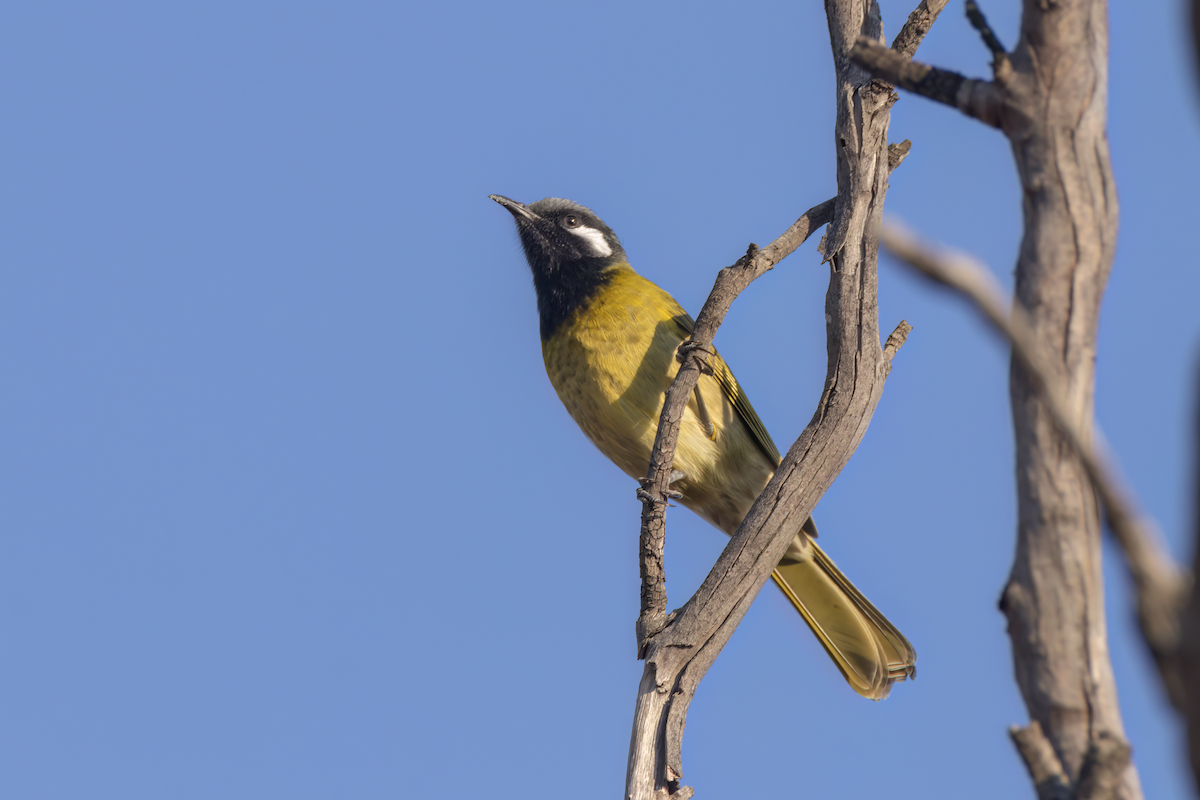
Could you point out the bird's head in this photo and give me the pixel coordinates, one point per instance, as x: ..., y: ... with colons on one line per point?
x: 561, y: 235
x: 570, y: 252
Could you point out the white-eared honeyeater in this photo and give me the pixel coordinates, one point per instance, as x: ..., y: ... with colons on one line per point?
x: 609, y: 338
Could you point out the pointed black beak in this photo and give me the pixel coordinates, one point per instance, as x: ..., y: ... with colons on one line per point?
x: 518, y: 210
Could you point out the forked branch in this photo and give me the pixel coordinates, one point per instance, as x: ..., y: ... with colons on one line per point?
x: 655, y: 490
x: 916, y: 26
x: 1048, y: 95
x: 678, y: 649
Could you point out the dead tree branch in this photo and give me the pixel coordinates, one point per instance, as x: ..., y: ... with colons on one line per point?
x: 980, y: 23
x: 1049, y: 97
x: 1042, y: 762
x: 657, y: 734
x: 975, y: 98
x: 1159, y: 583
x: 916, y: 26
x: 679, y: 648
x: 655, y: 490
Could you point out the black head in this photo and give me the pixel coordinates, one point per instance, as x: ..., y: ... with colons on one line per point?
x: 569, y: 250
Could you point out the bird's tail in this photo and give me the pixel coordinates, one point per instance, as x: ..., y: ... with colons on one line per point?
x: 868, y: 649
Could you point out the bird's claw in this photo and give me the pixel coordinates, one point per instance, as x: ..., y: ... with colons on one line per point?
x: 690, y: 348
x: 669, y: 494
x: 646, y: 497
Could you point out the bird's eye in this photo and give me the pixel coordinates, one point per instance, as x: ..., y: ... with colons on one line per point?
x: 571, y: 221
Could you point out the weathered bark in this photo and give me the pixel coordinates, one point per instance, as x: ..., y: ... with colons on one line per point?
x: 655, y: 488
x: 679, y: 648
x: 1049, y: 96
x: 1160, y: 585
x: 1054, y: 115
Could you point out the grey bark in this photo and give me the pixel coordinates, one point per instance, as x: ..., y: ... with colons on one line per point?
x: 679, y: 648
x: 1054, y: 115
x: 655, y: 490
x: 1161, y: 586
x: 1049, y: 96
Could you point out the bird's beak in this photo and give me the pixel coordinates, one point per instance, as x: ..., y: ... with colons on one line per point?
x: 518, y: 210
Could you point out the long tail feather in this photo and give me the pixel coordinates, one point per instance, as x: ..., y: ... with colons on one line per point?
x: 869, y: 651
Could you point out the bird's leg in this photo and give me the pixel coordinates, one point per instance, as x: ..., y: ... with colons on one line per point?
x: 676, y: 475
x: 690, y: 348
x: 702, y: 413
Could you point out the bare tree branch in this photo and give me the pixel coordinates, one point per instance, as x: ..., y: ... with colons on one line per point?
x: 679, y: 649
x: 1159, y: 583
x: 655, y: 490
x: 897, y: 153
x: 918, y: 24
x: 1106, y: 761
x: 1042, y: 762
x: 975, y: 98
x: 895, y: 341
x: 1049, y: 97
x: 980, y: 23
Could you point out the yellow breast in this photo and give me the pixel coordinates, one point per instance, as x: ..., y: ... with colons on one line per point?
x: 611, y: 363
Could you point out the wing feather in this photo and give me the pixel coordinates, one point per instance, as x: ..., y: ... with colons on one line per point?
x: 737, y: 397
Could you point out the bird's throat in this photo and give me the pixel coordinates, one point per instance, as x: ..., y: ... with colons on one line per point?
x: 562, y: 290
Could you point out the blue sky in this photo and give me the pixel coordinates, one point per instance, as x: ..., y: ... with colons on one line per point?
x: 289, y: 506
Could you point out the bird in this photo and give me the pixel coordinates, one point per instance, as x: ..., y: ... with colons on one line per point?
x: 609, y: 340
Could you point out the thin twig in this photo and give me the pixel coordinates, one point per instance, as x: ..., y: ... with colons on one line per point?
x: 1160, y: 584
x: 895, y: 341
x: 666, y: 688
x: 897, y: 153
x: 982, y: 100
x: 654, y: 490
x: 979, y: 22
x: 679, y: 648
x: 918, y: 24
x: 655, y: 487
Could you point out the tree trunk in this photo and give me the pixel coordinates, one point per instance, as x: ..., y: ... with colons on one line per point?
x: 1055, y: 119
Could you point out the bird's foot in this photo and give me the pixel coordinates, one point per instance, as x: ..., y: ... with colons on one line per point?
x: 645, y: 496
x: 690, y: 348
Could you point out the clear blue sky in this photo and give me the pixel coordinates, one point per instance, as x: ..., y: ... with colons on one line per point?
x: 289, y: 508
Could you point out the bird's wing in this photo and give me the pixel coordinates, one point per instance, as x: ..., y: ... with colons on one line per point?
x: 737, y: 397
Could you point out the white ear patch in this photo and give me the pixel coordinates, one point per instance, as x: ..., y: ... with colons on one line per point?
x: 595, y: 239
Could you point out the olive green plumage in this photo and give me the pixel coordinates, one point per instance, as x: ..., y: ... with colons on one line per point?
x: 609, y: 338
